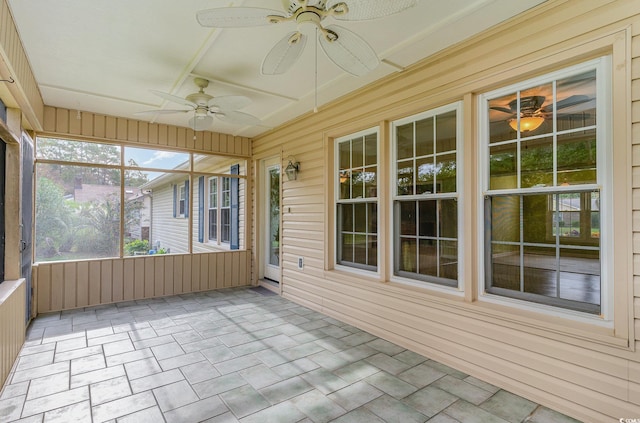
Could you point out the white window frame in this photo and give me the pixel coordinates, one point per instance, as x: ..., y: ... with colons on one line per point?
x: 368, y: 271
x: 604, y: 183
x: 458, y: 195
x: 182, y: 200
x: 212, y: 207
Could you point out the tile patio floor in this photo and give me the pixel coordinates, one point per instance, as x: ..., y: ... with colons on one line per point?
x: 236, y: 355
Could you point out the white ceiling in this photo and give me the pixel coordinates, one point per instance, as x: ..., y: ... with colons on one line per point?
x: 104, y: 56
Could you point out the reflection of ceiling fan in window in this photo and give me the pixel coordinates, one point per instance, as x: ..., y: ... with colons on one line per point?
x: 205, y: 107
x: 533, y: 113
x: 346, y: 49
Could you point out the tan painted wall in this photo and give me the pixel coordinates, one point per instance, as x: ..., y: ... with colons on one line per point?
x: 586, y: 371
x: 68, y: 285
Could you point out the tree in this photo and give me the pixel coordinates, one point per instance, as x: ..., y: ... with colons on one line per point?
x: 54, y: 218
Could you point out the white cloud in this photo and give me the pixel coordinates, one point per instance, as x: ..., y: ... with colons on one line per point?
x: 159, y: 155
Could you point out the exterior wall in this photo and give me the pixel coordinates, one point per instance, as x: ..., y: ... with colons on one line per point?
x: 587, y: 371
x: 69, y: 285
x: 12, y: 323
x: 201, y: 247
x: 172, y: 232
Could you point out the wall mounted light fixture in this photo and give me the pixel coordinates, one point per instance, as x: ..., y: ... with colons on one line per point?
x: 292, y: 170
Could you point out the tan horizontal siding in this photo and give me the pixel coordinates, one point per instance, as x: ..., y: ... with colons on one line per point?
x: 575, y: 367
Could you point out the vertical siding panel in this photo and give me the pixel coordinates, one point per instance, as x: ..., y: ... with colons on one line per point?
x: 163, y: 134
x: 62, y: 120
x: 44, y: 288
x: 149, y: 281
x: 110, y: 127
x: 49, y: 123
x: 186, y: 273
x: 117, y: 293
x: 122, y: 129
x: 143, y: 132
x: 153, y: 133
x: 70, y: 286
x: 139, y: 278
x: 235, y: 272
x: 204, y: 271
x: 106, y: 286
x: 244, y: 266
x: 180, y: 135
x: 132, y: 130
x: 87, y: 124
x: 195, y: 272
x: 94, y: 283
x: 168, y: 275
x: 221, y: 277
x: 206, y: 141
x: 213, y: 275
x: 158, y: 270
x: 199, y: 143
x: 100, y: 126
x: 75, y: 122
x: 128, y: 292
x: 215, y: 142
x: 57, y: 286
x: 177, y: 274
x: 231, y: 144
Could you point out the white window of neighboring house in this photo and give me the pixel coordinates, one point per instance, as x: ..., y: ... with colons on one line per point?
x: 356, y: 180
x: 219, y: 217
x: 546, y: 189
x: 426, y: 193
x: 213, y: 208
x: 182, y: 196
x: 225, y: 210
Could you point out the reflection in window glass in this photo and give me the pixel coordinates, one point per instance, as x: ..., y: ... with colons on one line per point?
x: 426, y: 209
x: 357, y: 205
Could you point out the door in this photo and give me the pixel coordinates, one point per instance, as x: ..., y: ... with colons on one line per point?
x: 271, y: 220
x: 27, y: 216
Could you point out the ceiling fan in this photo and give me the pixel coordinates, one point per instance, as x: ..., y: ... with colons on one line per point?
x: 532, y: 111
x: 206, y: 107
x: 345, y: 48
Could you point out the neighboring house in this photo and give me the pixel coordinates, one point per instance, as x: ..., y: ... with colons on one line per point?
x: 83, y: 193
x: 216, y: 204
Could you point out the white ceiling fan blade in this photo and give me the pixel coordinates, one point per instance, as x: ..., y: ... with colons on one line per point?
x: 370, y: 9
x: 238, y: 118
x: 235, y: 17
x: 200, y: 123
x: 174, y: 98
x: 284, y: 54
x: 349, y: 51
x: 161, y: 112
x: 230, y: 102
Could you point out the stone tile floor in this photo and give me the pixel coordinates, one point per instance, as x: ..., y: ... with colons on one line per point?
x: 236, y: 355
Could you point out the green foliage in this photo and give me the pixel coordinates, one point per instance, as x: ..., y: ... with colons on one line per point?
x: 55, y: 220
x: 137, y: 245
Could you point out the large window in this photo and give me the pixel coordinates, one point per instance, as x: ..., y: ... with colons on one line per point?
x: 357, y: 200
x: 545, y: 180
x: 425, y: 208
x: 104, y: 200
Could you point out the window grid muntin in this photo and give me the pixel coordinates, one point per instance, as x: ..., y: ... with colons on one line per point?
x: 213, y: 208
x: 596, y: 187
x: 345, y: 146
x: 437, y: 196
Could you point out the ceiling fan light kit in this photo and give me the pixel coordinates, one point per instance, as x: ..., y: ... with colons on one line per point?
x: 345, y: 48
x: 527, y: 123
x: 205, y: 107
